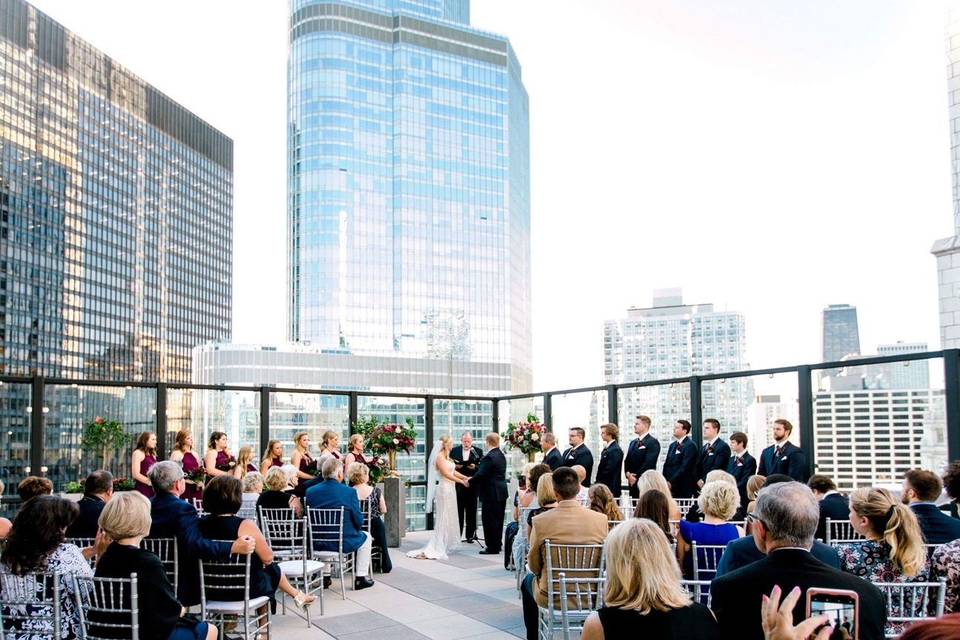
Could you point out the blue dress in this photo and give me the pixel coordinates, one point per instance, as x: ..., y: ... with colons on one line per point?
x: 705, y: 534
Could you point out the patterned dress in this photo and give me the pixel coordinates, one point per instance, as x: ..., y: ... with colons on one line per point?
x: 945, y: 565
x: 66, y: 559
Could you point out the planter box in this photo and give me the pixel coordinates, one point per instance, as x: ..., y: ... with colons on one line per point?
x: 75, y: 497
x: 395, y: 520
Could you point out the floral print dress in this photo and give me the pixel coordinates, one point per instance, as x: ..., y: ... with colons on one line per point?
x: 945, y: 565
x: 66, y: 559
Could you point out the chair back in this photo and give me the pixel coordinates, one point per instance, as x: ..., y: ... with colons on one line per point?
x: 34, y: 597
x: 909, y: 602
x: 325, y: 528
x: 108, y: 607
x: 586, y: 593
x: 248, y: 508
x: 283, y: 531
x: 699, y: 590
x: 365, y: 506
x: 166, y: 550
x: 705, y: 557
x: 841, y: 531
x: 575, y: 561
x: 198, y: 505
x: 225, y: 580
x: 684, y: 505
x: 612, y: 523
x: 524, y: 516
x: 83, y: 543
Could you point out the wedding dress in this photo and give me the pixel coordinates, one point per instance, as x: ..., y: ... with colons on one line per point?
x: 446, y: 526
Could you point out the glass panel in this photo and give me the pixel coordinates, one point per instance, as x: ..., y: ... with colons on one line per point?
x: 751, y: 405
x: 14, y: 441
x: 456, y: 417
x: 292, y: 413
x: 203, y: 411
x: 873, y: 424
x: 664, y: 404
x: 586, y: 410
x: 411, y: 467
x: 67, y: 411
x: 515, y: 411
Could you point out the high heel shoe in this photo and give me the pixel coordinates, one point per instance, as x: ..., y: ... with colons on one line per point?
x: 304, y: 600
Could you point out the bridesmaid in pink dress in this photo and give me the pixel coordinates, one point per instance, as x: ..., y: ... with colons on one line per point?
x: 183, y: 453
x: 217, y: 461
x: 144, y: 457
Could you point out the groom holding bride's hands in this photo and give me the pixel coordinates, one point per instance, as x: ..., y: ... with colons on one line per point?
x: 490, y: 482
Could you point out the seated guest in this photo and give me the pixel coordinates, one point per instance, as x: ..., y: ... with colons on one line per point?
x: 546, y: 498
x: 655, y: 506
x: 602, y: 501
x: 945, y: 565
x: 252, y: 488
x: 893, y: 550
x: 643, y: 596
x: 533, y: 473
x: 277, y: 493
x: 740, y: 553
x: 921, y: 490
x: 583, y: 495
x: 833, y: 504
x: 172, y: 517
x: 33, y: 486
x: 694, y: 514
x: 359, y: 478
x: 568, y: 523
x: 331, y: 493
x: 951, y: 482
x: 784, y: 523
x: 943, y: 628
x: 245, y: 462
x: 36, y: 544
x: 754, y: 484
x: 126, y: 520
x: 653, y: 479
x: 97, y: 491
x: 222, y: 498
x: 718, y: 502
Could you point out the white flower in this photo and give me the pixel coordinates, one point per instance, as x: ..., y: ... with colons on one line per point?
x: 395, y: 441
x: 535, y: 437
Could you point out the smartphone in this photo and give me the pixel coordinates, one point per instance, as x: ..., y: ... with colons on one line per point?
x: 841, y: 605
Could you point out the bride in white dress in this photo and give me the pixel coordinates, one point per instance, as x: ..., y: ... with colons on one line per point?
x: 442, y: 500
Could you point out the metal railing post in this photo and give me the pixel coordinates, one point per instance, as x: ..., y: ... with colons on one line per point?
x: 36, y: 425
x: 428, y: 436
x: 264, y: 418
x: 352, y: 410
x: 548, y: 411
x: 161, y: 420
x: 495, y: 415
x: 805, y: 412
x: 613, y: 408
x: 696, y: 411
x: 951, y: 381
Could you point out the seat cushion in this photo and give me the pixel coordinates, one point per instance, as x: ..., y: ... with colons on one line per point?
x: 295, y: 567
x: 329, y: 556
x: 234, y: 606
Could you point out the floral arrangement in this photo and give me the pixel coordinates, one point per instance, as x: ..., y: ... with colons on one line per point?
x: 384, y: 437
x: 197, y: 476
x: 526, y: 436
x: 227, y: 466
x: 378, y: 468
x: 119, y: 484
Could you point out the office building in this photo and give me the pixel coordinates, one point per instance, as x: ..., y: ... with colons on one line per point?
x: 914, y: 374
x: 115, y: 232
x: 840, y: 333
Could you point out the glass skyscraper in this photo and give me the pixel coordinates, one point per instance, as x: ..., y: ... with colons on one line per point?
x: 841, y: 332
x: 408, y: 195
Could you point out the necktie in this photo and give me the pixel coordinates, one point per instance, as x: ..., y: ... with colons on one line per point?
x: 778, y: 452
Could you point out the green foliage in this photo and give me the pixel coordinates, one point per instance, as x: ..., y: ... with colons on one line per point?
x: 104, y: 437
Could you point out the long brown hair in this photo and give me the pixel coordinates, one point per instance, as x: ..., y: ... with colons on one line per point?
x: 896, y: 524
x: 268, y: 454
x: 216, y: 435
x: 142, y: 443
x: 36, y: 532
x: 601, y: 501
x: 654, y: 506
x: 181, y: 440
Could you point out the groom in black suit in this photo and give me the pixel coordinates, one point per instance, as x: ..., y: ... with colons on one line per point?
x: 490, y: 482
x: 466, y: 457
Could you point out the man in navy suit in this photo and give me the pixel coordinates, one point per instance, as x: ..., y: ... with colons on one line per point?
x: 333, y: 494
x: 921, y: 490
x: 176, y: 518
x: 611, y: 459
x: 466, y: 456
x: 680, y: 466
x: 97, y: 491
x: 833, y: 504
x: 579, y: 454
x: 551, y: 455
x: 642, y: 454
x: 714, y: 454
x: 490, y: 480
x: 742, y: 465
x: 783, y: 456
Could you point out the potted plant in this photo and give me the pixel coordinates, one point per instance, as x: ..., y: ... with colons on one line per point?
x: 104, y: 437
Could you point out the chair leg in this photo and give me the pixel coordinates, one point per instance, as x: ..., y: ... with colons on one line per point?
x: 343, y: 588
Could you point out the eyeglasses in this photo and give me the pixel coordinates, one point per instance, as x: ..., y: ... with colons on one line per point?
x: 752, y: 517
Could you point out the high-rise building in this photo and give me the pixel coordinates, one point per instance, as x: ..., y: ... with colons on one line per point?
x: 408, y: 188
x: 913, y: 374
x: 115, y: 231
x: 760, y: 416
x: 674, y: 340
x: 840, y: 332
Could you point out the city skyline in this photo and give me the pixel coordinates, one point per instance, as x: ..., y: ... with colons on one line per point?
x: 911, y: 63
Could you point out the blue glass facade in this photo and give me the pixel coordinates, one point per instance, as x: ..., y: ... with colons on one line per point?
x: 409, y: 212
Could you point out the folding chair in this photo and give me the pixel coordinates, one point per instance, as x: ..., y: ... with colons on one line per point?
x: 83, y: 543
x: 376, y: 555
x: 225, y: 594
x: 325, y: 528
x: 612, y: 523
x: 839, y: 531
x: 586, y: 594
x: 34, y: 597
x: 108, y: 607
x: 706, y: 558
x: 909, y: 602
x: 699, y: 590
x: 574, y: 561
x: 287, y: 536
x: 166, y: 550
x: 522, y: 546
x: 684, y: 504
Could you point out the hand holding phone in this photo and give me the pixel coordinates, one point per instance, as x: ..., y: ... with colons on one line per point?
x: 777, y: 619
x: 843, y: 608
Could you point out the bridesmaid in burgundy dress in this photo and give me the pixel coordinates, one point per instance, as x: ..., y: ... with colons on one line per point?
x: 245, y: 462
x: 272, y: 457
x: 302, y: 460
x: 218, y: 461
x: 331, y: 445
x: 183, y: 453
x: 355, y: 452
x: 144, y: 457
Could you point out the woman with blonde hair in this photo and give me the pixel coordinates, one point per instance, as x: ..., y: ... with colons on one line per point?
x: 272, y: 457
x: 718, y: 502
x: 643, y: 595
x: 355, y: 452
x: 358, y: 477
x: 331, y: 445
x: 653, y: 479
x: 546, y: 498
x: 442, y: 478
x: 302, y: 460
x: 245, y: 463
x: 893, y: 550
x: 189, y: 462
x: 277, y: 494
x: 602, y: 501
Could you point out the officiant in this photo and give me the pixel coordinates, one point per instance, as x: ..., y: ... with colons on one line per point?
x: 466, y: 457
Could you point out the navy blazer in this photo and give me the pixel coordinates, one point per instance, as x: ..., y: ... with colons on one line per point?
x: 579, y: 456
x: 743, y: 551
x: 715, y: 456
x: 553, y: 459
x: 176, y: 518
x: 491, y: 477
x: 87, y: 523
x: 937, y: 527
x: 331, y: 494
x: 742, y: 469
x: 642, y: 455
x: 835, y: 506
x: 609, y: 470
x: 792, y: 462
x: 680, y: 468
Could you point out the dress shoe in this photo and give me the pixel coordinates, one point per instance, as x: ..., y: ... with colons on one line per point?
x: 327, y: 581
x: 362, y: 583
x: 469, y: 540
x: 489, y: 552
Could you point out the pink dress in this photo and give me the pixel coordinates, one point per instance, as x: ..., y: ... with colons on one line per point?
x: 145, y: 465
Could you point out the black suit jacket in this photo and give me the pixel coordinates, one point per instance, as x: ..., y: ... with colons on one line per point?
x: 680, y: 468
x: 86, y: 526
x: 553, y: 459
x: 490, y: 480
x: 742, y: 468
x: 743, y: 551
x: 175, y: 518
x: 582, y: 456
x: 835, y: 506
x: 937, y: 527
x: 737, y: 597
x: 715, y: 456
x: 642, y: 455
x: 792, y: 462
x: 609, y: 469
x: 466, y: 465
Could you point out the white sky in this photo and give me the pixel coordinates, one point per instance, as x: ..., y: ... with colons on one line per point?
x: 770, y: 156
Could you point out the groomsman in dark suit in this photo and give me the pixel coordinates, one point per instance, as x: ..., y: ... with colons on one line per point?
x: 680, y: 467
x: 611, y: 459
x: 578, y: 454
x: 551, y: 455
x: 742, y: 465
x: 642, y: 454
x: 715, y: 453
x: 466, y: 456
x: 783, y: 456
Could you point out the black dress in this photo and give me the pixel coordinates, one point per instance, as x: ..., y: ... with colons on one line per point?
x: 274, y: 500
x: 264, y: 580
x: 689, y: 623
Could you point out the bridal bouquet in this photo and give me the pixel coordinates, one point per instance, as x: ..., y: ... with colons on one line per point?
x: 227, y: 466
x: 378, y: 468
x: 526, y: 436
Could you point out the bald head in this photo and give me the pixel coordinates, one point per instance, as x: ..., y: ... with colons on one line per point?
x: 789, y: 513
